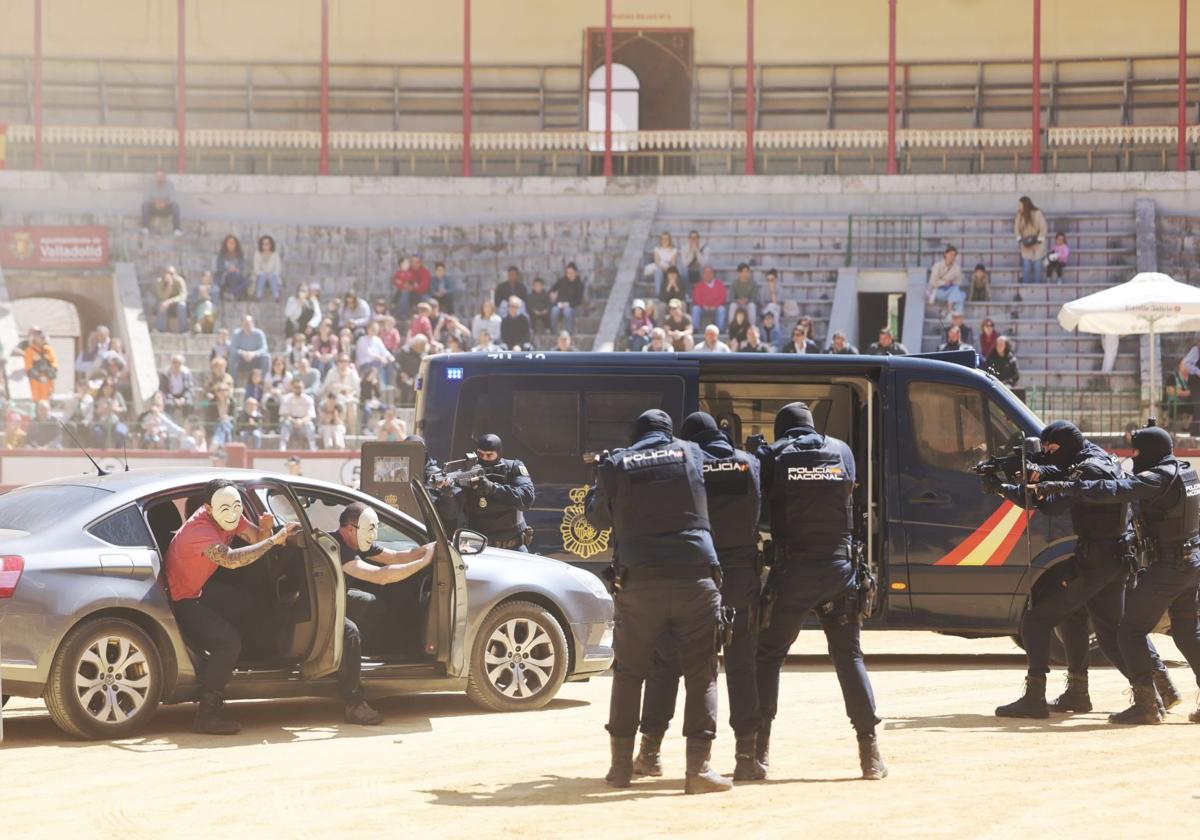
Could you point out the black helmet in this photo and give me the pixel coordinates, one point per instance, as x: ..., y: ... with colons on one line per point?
x: 1069, y: 439
x: 654, y: 420
x: 490, y: 443
x: 793, y: 416
x: 700, y: 427
x: 1153, y: 445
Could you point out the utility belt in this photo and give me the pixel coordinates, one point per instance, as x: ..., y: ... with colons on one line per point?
x: 523, y: 538
x: 618, y: 575
x: 1169, y: 552
x: 855, y: 605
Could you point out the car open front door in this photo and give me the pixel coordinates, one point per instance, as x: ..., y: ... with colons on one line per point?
x: 446, y: 622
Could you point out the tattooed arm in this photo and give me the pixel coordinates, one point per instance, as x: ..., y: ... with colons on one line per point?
x: 235, y: 558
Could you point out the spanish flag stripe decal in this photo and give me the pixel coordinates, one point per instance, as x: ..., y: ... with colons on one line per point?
x: 991, y: 543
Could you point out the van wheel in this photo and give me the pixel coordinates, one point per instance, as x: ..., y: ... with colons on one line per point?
x: 519, y: 660
x: 106, y: 680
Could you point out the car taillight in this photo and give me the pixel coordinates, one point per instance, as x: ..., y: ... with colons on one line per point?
x: 10, y: 573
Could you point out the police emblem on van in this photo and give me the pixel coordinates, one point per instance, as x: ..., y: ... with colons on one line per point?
x: 822, y: 473
x: 578, y: 535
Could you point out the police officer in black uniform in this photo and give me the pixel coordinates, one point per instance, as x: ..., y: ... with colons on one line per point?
x: 732, y: 487
x: 494, y: 504
x: 652, y: 496
x: 808, y: 480
x: 1167, y: 492
x: 444, y: 501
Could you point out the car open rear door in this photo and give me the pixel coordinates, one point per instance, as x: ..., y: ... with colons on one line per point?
x: 446, y: 622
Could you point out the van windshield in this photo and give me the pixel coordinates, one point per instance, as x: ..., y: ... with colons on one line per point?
x: 38, y: 508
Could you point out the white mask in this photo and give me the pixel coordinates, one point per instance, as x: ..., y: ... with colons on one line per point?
x: 226, y: 506
x: 368, y: 529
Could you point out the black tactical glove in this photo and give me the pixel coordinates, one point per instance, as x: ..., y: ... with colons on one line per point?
x: 486, y: 487
x: 1054, y: 488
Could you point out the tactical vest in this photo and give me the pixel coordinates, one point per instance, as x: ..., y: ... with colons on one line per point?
x: 1173, y: 516
x: 497, y: 520
x: 1100, y: 522
x: 811, y: 508
x: 658, y: 490
x: 734, y: 497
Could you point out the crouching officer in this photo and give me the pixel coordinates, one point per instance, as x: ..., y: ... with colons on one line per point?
x: 732, y: 488
x: 1167, y: 491
x: 494, y: 504
x: 652, y: 496
x: 808, y: 480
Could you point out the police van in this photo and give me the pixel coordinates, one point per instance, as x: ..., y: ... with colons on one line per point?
x: 947, y: 556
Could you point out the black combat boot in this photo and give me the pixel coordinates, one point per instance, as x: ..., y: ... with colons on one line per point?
x: 1032, y: 704
x: 869, y: 760
x: 1075, y: 698
x: 1167, y: 691
x: 700, y: 777
x: 762, y: 747
x: 209, y: 718
x: 1145, y: 708
x: 1194, y: 717
x: 747, y: 768
x: 620, y: 774
x: 649, y: 760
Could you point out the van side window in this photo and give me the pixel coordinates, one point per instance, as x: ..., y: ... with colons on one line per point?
x: 546, y: 422
x: 124, y: 528
x: 948, y: 426
x: 610, y: 415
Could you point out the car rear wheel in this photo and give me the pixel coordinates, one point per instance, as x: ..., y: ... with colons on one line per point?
x: 519, y: 660
x: 106, y: 680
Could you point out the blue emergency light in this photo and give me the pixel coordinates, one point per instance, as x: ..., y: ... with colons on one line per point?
x: 454, y: 373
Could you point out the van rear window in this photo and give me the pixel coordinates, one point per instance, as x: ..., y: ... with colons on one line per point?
x: 610, y: 414
x: 546, y: 422
x: 36, y: 508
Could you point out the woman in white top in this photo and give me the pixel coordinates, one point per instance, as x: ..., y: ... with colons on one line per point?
x: 302, y: 312
x: 487, y: 319
x: 665, y: 256
x: 267, y: 269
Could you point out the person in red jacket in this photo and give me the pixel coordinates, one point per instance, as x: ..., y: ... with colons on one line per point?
x: 709, y: 299
x: 411, y: 283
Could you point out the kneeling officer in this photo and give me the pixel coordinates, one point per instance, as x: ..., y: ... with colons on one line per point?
x: 652, y: 496
x: 732, y: 488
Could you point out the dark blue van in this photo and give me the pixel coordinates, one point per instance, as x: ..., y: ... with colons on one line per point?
x: 948, y: 557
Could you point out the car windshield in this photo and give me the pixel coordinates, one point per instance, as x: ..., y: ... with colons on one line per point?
x: 37, y: 508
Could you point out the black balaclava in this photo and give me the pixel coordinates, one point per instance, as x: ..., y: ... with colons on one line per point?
x: 654, y: 420
x: 491, y: 443
x: 1154, y: 446
x: 700, y: 427
x: 793, y: 416
x: 1069, y: 440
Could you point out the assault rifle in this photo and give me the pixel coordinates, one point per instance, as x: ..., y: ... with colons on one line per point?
x: 458, y: 473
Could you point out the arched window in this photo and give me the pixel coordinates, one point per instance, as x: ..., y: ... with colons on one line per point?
x: 625, y: 92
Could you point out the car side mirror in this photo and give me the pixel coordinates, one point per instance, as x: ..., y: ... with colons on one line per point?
x: 468, y: 542
x: 1031, y: 447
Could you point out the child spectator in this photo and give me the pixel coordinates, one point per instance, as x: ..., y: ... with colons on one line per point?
x: 693, y: 259
x: 41, y: 365
x: 1056, y: 260
x: 297, y: 415
x: 769, y: 333
x: 511, y: 287
x: 567, y: 295
x: 346, y: 342
x: 539, y: 304
x: 563, y: 343
x: 324, y: 348
x: 981, y: 284
x: 486, y: 344
x: 160, y: 201
x: 302, y: 313
x: 332, y: 423
x: 443, y: 288
x: 204, y: 311
x: 379, y: 311
x: 738, y: 328
x: 170, y: 296
x: 421, y: 322
x: 665, y: 256
x: 390, y: 428
x: 515, y: 332
x: 221, y: 347
x: 267, y: 269
x: 945, y: 282
x: 679, y: 326
x: 250, y: 424
x: 256, y: 386
x: 297, y: 350
x: 658, y: 342
x: 177, y: 387
x: 158, y: 431
x: 390, y: 336
x: 709, y: 299
x: 744, y: 294
x: 230, y: 270
x: 640, y: 326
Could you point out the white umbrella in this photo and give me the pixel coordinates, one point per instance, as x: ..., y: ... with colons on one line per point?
x: 1149, y: 304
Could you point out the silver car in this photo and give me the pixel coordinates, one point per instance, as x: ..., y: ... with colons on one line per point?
x: 85, y: 622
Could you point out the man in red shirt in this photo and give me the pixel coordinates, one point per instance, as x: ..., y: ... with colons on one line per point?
x: 709, y: 299
x: 207, y: 612
x: 411, y: 282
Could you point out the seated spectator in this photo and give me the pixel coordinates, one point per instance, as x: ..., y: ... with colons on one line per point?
x: 945, y: 282
x: 108, y: 429
x: 43, y: 431
x: 510, y: 287
x: 390, y: 427
x: 539, y: 305
x: 41, y: 365
x: 256, y: 386
x: 170, y: 298
x: 205, y: 282
x: 309, y: 378
x: 444, y: 325
x: 297, y: 416
x: 331, y: 423
x: 158, y: 430
x: 323, y: 348
x: 443, y: 288
x: 274, y: 387
x: 567, y: 295
x: 658, y: 342
x: 485, y: 343
x: 1056, y: 258
x: 267, y: 270
x: 712, y: 341
x: 421, y: 323
x: 1002, y: 362
x: 77, y: 413
x: 390, y: 336
x: 739, y: 325
x: 486, y: 321
x: 454, y: 344
x: 177, y: 387
x: 744, y: 294
x: 752, y: 344
x: 194, y: 437
x: 204, y: 311
x: 981, y: 284
x: 672, y: 289
x: 709, y: 299
x: 840, y: 347
x: 356, y: 313
x: 14, y: 430
x: 769, y: 332
x: 422, y: 279
x: 221, y: 347
x: 409, y: 366
x: 333, y: 313
x: 770, y: 298
x: 563, y: 343
x: 987, y: 337
x: 370, y: 397
x: 230, y: 270
x: 250, y: 424
x: 640, y: 326
x: 301, y: 313
x: 679, y: 326
x: 515, y: 332
x: 297, y: 350
x: 220, y: 419
x: 810, y: 330
x: 160, y: 201
x: 953, y: 341
x: 965, y: 334
x: 371, y: 354
x: 249, y: 350
x: 344, y: 383
x: 800, y: 342
x: 379, y: 311
x: 692, y: 260
x: 403, y: 281
x: 115, y: 366
x: 218, y: 380
x: 665, y: 256
x: 88, y: 362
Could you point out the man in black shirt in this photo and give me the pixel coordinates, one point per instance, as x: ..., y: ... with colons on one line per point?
x: 886, y: 345
x: 511, y: 287
x: 568, y: 296
x: 539, y: 304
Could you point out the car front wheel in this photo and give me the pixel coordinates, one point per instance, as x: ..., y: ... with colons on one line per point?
x: 106, y: 680
x: 519, y: 660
